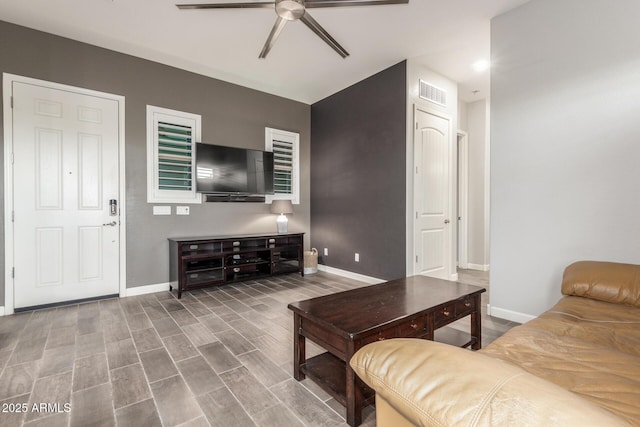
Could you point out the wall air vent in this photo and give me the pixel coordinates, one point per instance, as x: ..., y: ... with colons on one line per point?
x: 433, y: 93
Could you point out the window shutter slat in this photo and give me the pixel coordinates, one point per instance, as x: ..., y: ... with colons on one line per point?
x: 283, y: 170
x: 175, y: 151
x: 285, y: 146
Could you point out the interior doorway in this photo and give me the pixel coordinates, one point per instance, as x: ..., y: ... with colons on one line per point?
x: 433, y: 228
x: 462, y: 206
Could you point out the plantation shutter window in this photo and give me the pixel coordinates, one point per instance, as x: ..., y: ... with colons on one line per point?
x: 171, y: 144
x: 175, y: 152
x: 285, y: 147
x: 282, y: 167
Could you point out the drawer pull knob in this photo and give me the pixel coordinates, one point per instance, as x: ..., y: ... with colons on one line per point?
x: 381, y: 338
x: 446, y: 312
x: 414, y: 326
x: 467, y: 303
x: 236, y: 270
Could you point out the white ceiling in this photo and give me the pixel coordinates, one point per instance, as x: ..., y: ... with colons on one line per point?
x: 446, y: 36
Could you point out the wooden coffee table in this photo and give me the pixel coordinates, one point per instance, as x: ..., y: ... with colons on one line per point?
x: 342, y: 323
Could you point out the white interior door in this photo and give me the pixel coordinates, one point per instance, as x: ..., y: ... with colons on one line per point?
x: 66, y: 242
x: 432, y: 188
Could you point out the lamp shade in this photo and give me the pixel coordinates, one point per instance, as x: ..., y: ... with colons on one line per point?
x: 281, y: 207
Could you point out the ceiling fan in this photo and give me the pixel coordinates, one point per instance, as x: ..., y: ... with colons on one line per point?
x: 292, y: 10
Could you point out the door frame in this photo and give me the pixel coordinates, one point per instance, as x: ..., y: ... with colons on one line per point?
x: 453, y: 175
x: 9, y: 238
x: 463, y: 199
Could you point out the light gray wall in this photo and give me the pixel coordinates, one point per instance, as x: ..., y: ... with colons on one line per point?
x: 462, y: 115
x: 565, y: 108
x: 231, y: 115
x: 477, y: 124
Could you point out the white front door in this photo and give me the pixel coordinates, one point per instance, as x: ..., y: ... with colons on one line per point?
x: 65, y: 172
x: 432, y: 187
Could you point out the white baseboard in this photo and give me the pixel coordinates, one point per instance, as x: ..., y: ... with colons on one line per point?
x: 139, y: 290
x: 147, y: 289
x: 350, y: 275
x: 454, y: 277
x: 481, y: 267
x: 511, y: 315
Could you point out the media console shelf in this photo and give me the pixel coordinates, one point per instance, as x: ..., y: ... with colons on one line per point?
x: 199, y: 262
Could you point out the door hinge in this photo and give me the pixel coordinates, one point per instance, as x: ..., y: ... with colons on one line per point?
x: 13, y: 216
x: 13, y: 272
x: 11, y: 101
x: 11, y: 158
x: 416, y: 215
x: 416, y: 125
x: 416, y: 169
x: 416, y: 259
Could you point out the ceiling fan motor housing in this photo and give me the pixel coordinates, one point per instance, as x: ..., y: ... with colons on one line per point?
x: 290, y: 9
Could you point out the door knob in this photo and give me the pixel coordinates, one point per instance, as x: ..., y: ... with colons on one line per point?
x: 446, y: 221
x: 110, y: 224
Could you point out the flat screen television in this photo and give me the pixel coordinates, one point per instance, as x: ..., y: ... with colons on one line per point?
x: 231, y: 170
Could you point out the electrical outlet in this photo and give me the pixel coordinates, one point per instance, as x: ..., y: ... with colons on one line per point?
x: 326, y: 251
x: 357, y: 257
x: 182, y: 210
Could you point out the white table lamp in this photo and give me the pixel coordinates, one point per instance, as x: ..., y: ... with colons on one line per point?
x: 282, y: 207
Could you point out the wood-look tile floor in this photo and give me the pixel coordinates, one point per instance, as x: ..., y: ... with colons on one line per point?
x: 216, y: 357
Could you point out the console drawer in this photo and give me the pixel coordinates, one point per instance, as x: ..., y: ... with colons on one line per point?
x: 203, y: 264
x: 197, y: 278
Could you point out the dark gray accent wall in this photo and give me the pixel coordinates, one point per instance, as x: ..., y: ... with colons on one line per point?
x: 358, y: 175
x: 231, y: 115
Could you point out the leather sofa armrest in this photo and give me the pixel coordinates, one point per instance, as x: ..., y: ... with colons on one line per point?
x: 434, y: 384
x: 603, y: 281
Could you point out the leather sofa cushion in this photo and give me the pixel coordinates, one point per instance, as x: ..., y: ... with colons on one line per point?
x: 434, y: 384
x: 589, y: 347
x: 603, y: 281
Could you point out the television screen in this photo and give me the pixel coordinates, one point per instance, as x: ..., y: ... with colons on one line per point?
x: 232, y: 170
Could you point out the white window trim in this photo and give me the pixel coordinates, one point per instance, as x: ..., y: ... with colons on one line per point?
x: 294, y: 138
x: 155, y: 114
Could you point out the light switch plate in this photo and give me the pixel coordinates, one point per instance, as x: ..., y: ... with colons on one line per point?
x: 182, y: 210
x: 162, y: 210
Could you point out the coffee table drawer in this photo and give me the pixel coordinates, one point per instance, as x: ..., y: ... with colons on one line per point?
x: 413, y: 327
x: 444, y: 315
x: 464, y: 307
x: 379, y: 336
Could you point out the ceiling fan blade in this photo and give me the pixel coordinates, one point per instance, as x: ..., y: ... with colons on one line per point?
x: 263, y: 4
x: 349, y: 3
x: 273, y: 35
x: 322, y: 33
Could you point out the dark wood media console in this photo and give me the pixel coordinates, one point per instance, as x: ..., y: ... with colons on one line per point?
x: 199, y: 262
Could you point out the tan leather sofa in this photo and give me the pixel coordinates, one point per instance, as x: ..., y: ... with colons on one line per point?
x: 578, y: 364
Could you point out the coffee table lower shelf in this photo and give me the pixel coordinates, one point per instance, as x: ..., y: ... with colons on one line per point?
x: 455, y: 337
x: 329, y: 372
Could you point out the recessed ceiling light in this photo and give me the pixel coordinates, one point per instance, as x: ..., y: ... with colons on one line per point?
x: 481, y: 65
